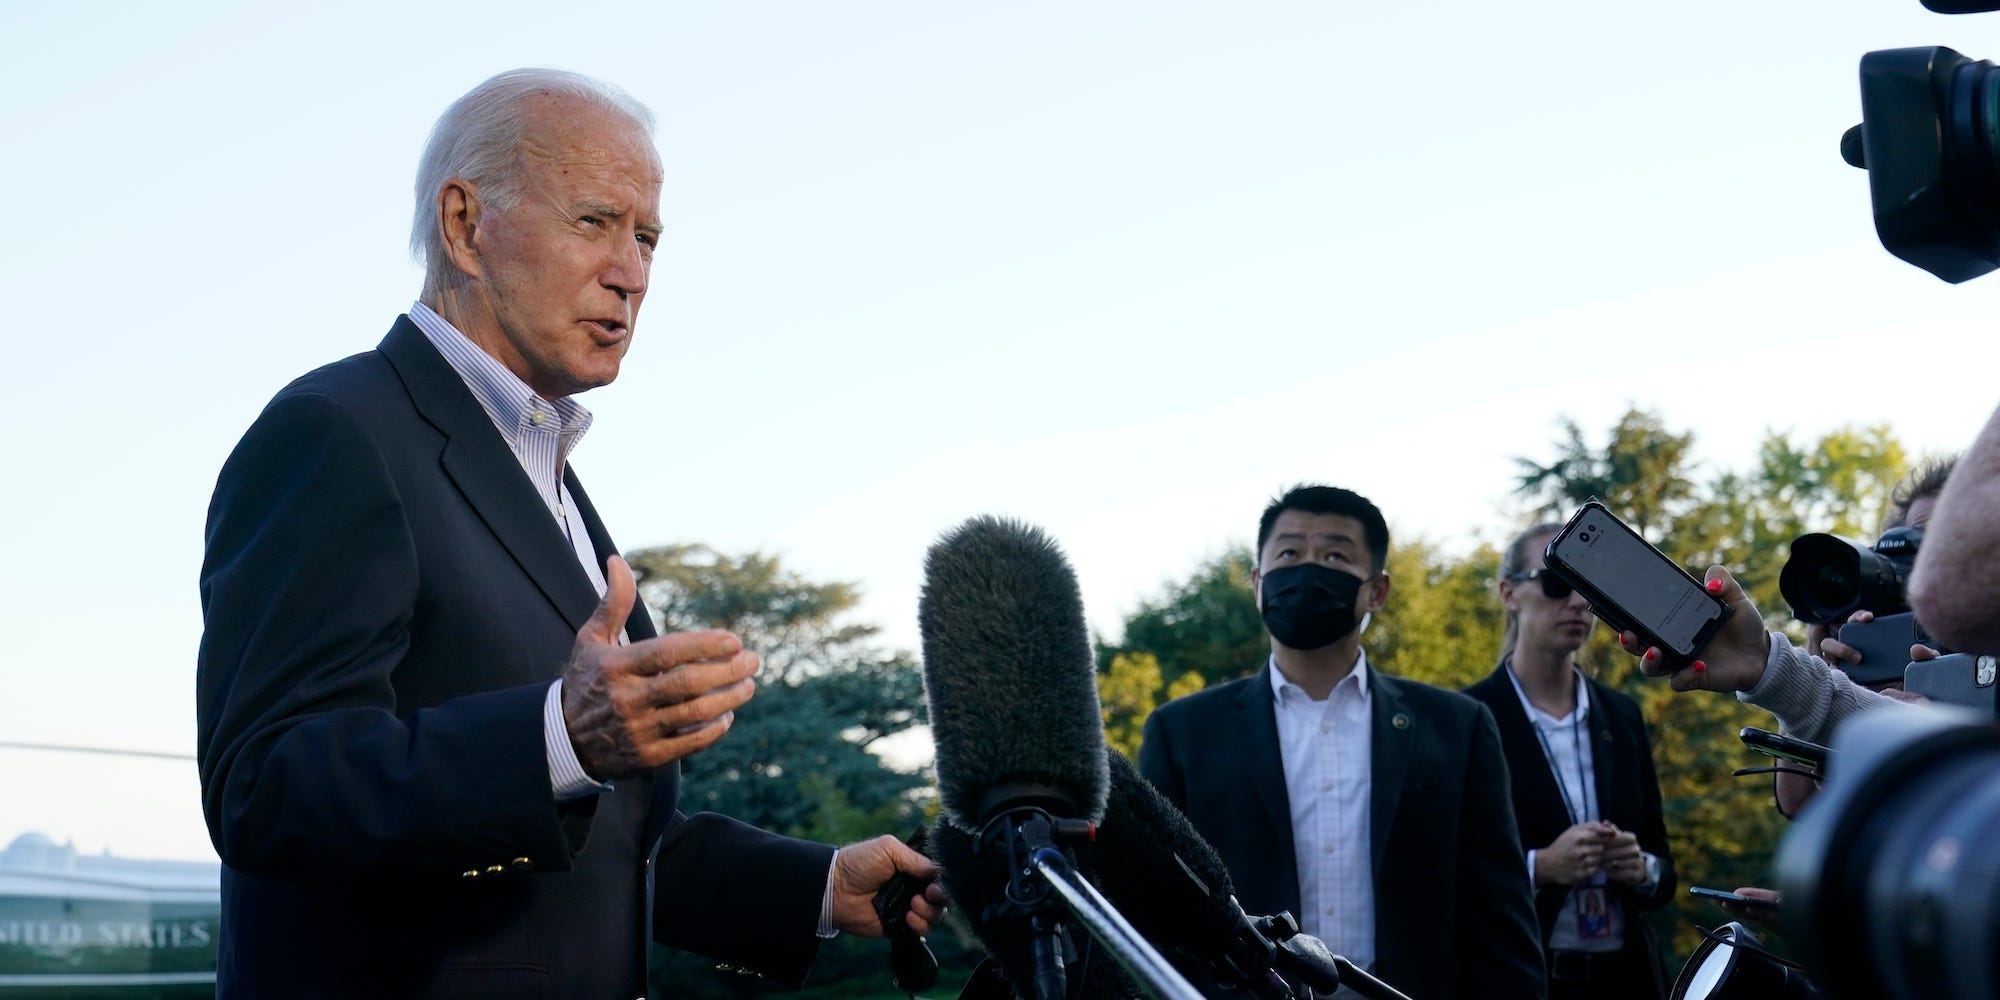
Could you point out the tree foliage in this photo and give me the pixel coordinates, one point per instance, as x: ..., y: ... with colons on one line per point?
x: 1130, y: 690
x: 1443, y: 622
x: 1206, y: 625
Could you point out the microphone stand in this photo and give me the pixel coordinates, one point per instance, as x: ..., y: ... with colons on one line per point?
x: 1044, y: 888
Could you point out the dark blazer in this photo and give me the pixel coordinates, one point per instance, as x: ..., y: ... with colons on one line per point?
x: 386, y: 600
x: 1628, y: 794
x: 1452, y: 911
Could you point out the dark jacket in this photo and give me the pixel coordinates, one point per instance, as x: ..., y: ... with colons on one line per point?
x: 386, y: 600
x: 1452, y: 911
x: 1628, y: 794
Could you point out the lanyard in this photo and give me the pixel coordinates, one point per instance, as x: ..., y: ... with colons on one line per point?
x: 1584, y: 787
x: 1582, y: 778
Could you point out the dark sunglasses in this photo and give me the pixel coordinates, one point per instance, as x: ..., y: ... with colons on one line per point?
x: 1554, y: 587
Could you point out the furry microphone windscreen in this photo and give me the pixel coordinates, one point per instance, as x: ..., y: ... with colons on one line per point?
x: 1008, y: 674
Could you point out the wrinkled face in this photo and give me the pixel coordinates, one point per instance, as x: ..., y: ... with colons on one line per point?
x: 559, y: 276
x: 1558, y: 623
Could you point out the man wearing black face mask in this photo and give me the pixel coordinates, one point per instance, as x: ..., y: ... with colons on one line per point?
x: 1376, y: 809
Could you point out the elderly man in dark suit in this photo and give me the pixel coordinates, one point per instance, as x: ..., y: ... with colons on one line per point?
x: 437, y: 731
x: 1373, y: 808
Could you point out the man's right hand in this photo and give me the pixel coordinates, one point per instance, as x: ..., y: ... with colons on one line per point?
x: 630, y: 709
x: 1575, y: 856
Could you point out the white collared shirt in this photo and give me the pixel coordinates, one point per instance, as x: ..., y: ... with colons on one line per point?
x: 1327, y: 750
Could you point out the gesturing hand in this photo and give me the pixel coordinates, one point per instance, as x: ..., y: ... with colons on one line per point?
x: 630, y: 709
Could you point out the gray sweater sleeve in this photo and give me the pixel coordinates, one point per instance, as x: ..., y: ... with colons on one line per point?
x: 1809, y: 697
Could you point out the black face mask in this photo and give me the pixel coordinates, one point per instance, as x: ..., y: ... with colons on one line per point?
x: 1310, y: 606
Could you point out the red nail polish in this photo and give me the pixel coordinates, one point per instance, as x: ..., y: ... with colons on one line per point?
x: 1714, y: 586
x: 1699, y: 666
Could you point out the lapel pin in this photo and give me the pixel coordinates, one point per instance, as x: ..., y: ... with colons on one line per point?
x: 1400, y: 721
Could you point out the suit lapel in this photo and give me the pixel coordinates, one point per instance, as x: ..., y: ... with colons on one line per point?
x: 1601, y: 748
x: 1389, y: 758
x: 1263, y: 761
x: 639, y: 625
x: 486, y: 472
x: 1528, y: 765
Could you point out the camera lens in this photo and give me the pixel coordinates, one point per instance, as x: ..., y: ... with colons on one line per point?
x: 1828, y: 578
x: 1892, y: 879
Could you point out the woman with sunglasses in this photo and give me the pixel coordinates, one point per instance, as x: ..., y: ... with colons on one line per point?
x: 1586, y: 798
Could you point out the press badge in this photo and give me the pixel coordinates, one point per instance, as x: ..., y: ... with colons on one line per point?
x: 1593, y: 913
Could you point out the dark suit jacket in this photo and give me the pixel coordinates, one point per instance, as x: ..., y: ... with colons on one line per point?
x: 386, y: 600
x: 1628, y: 794
x: 1452, y: 911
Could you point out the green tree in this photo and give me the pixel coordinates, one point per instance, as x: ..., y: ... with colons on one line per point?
x: 1206, y: 625
x: 798, y: 758
x: 1442, y: 623
x: 1130, y: 690
x: 1642, y: 473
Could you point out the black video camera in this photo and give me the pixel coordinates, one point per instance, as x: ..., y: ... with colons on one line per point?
x: 1930, y: 140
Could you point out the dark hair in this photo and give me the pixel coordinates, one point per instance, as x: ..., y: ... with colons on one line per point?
x: 1312, y: 498
x: 1926, y: 480
x: 1512, y: 558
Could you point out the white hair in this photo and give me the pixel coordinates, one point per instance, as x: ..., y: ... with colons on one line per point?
x: 478, y: 139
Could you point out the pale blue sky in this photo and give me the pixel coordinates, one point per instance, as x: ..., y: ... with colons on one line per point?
x: 1119, y: 269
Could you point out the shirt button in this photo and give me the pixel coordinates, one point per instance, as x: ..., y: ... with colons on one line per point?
x: 537, y: 417
x: 1327, y: 787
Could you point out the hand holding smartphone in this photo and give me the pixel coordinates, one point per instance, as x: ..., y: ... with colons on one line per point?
x: 1634, y: 587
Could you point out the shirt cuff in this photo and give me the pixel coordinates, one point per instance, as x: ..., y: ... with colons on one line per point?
x: 826, y: 928
x: 1652, y: 874
x: 1531, y: 866
x: 566, y: 775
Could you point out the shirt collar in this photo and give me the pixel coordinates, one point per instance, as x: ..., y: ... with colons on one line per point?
x: 1355, y: 681
x: 1576, y: 715
x: 514, y: 407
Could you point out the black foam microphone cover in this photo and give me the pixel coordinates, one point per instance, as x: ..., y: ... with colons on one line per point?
x: 1008, y: 676
x: 1151, y: 864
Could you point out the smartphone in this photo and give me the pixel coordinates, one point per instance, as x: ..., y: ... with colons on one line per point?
x: 1957, y: 679
x: 1729, y: 897
x: 1633, y: 586
x: 1786, y: 748
x: 1884, y: 645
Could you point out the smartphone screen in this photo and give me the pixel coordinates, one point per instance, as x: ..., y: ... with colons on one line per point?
x: 1639, y: 581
